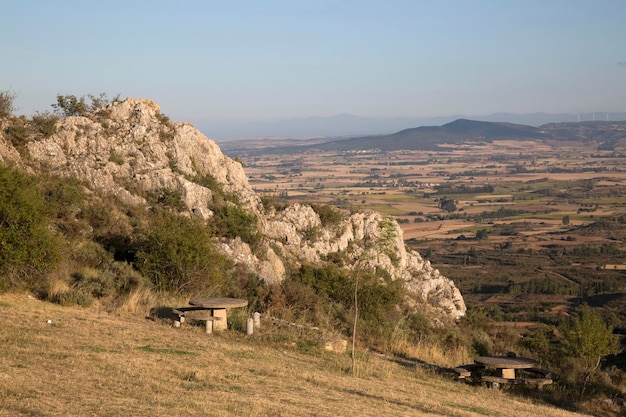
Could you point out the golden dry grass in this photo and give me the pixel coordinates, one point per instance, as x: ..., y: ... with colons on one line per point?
x: 91, y: 362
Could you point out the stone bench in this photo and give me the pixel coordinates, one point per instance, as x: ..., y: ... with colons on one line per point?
x: 465, y: 372
x: 538, y: 371
x: 194, y: 313
x: 496, y: 381
x: 470, y: 373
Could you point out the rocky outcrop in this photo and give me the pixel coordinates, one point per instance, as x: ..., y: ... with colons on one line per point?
x: 129, y: 149
x: 365, y: 240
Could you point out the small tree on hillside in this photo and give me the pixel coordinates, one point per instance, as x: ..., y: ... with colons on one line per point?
x: 589, y: 338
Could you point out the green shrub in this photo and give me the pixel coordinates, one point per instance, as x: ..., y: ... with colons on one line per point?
x: 111, y: 227
x: 271, y: 201
x: 328, y: 281
x: 126, y: 278
x: 116, y: 158
x: 378, y: 298
x: 231, y: 221
x: 17, y: 133
x: 167, y: 198
x: 297, y: 301
x: 112, y: 279
x: 166, y: 134
x: 26, y: 239
x: 248, y: 285
x: 103, y: 217
x: 7, y: 103
x: 312, y: 234
x: 177, y: 255
x: 101, y: 100
x: 329, y: 290
x: 220, y: 197
x: 63, y: 196
x: 70, y: 105
x: 329, y: 215
x: 90, y: 254
x: 96, y: 283
x: 164, y: 119
x: 73, y: 297
x: 45, y: 123
x: 417, y: 327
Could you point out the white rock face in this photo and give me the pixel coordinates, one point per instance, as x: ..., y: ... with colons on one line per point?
x: 366, y: 240
x: 130, y: 145
x: 129, y: 148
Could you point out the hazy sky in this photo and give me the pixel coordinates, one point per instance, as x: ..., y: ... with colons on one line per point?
x: 263, y: 60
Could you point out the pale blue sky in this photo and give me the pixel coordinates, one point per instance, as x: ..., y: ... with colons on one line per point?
x: 267, y: 60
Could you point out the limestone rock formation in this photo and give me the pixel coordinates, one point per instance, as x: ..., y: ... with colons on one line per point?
x: 365, y: 240
x: 130, y: 148
x: 131, y: 145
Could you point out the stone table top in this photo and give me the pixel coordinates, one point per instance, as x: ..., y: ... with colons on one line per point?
x: 506, y: 362
x: 218, y: 302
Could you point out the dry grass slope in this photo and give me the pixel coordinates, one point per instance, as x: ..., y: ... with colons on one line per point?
x: 89, y: 362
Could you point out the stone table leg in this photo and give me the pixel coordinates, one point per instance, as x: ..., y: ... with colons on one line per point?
x: 220, y: 314
x: 508, y: 373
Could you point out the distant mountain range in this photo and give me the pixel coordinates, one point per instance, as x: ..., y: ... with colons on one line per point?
x: 596, y: 134
x: 351, y: 125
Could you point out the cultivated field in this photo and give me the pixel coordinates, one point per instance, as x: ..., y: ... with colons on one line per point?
x: 503, y: 217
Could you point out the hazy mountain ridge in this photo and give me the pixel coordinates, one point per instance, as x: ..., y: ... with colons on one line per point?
x: 600, y: 134
x: 353, y: 125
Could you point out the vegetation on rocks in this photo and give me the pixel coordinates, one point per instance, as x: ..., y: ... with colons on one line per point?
x: 7, y: 103
x: 176, y: 254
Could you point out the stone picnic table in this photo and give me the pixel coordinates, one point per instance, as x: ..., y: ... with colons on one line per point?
x: 213, y: 310
x: 507, y: 371
x: 506, y: 364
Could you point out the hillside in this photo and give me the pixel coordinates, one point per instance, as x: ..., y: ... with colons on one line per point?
x: 115, y: 210
x: 88, y: 362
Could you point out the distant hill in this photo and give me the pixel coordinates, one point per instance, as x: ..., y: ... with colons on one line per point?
x: 353, y: 125
x: 430, y: 137
x: 601, y: 135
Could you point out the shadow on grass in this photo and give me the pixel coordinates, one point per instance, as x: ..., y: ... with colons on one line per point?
x: 414, y: 406
x: 161, y: 313
x: 413, y: 363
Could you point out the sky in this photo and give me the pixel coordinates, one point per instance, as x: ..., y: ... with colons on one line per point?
x: 239, y: 61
